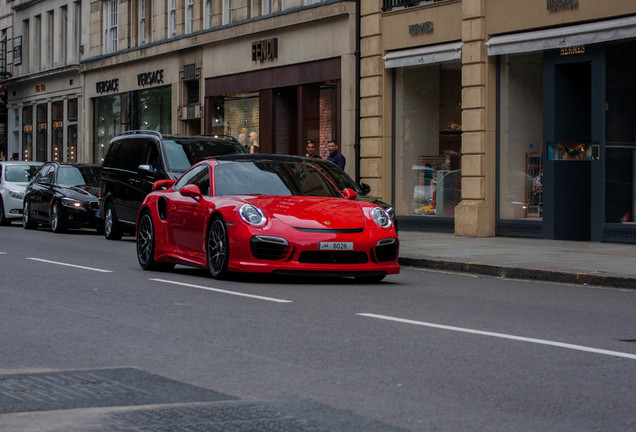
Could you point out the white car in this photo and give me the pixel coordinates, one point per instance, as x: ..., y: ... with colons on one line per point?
x: 14, y: 178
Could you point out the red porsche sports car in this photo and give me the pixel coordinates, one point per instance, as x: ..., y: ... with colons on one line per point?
x: 263, y: 214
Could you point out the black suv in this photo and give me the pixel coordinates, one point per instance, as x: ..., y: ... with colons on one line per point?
x: 137, y: 159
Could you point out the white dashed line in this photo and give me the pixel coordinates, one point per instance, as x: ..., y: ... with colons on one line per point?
x: 223, y: 291
x: 70, y: 265
x: 504, y: 336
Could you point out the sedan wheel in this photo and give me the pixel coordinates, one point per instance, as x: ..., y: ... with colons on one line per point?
x: 56, y: 215
x: 111, y: 230
x: 3, y: 218
x: 217, y: 248
x: 27, y: 223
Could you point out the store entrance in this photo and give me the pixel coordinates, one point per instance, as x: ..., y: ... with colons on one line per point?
x: 570, y: 133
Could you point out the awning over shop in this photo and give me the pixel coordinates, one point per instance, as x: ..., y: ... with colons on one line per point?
x: 582, y: 34
x: 425, y: 55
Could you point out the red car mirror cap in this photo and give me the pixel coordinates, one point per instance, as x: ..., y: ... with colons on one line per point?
x: 349, y: 194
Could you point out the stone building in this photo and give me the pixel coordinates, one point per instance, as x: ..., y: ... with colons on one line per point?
x: 502, y: 117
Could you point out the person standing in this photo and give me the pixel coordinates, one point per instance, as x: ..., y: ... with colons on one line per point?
x: 254, y: 147
x: 311, y: 150
x: 334, y: 155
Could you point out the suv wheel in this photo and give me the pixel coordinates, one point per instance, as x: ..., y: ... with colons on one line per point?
x: 111, y: 229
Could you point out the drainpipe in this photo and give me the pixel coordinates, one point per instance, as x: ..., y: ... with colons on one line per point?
x: 356, y: 145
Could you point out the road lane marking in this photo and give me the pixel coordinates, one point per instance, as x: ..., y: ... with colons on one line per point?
x: 71, y: 265
x: 503, y: 336
x: 271, y: 299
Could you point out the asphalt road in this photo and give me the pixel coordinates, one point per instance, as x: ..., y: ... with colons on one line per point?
x: 421, y: 351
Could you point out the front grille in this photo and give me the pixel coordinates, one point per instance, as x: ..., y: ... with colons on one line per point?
x: 268, y: 250
x: 333, y: 257
x: 94, y: 205
x: 330, y: 230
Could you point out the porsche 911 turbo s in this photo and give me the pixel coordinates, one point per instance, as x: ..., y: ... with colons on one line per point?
x: 259, y: 214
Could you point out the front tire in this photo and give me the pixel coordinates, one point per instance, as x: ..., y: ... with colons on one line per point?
x: 217, y: 248
x: 27, y: 222
x: 57, y: 225
x: 111, y: 227
x: 3, y: 217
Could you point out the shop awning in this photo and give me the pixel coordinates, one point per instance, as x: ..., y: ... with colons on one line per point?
x: 425, y: 55
x: 582, y: 34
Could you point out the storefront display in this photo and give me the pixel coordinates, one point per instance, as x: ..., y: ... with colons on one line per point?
x: 428, y: 140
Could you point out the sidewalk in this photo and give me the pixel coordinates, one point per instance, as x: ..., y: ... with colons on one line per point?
x: 592, y: 263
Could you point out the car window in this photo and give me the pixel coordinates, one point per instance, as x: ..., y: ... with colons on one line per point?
x: 77, y: 176
x: 20, y: 173
x: 126, y: 154
x: 183, y: 153
x: 271, y: 178
x: 200, y: 176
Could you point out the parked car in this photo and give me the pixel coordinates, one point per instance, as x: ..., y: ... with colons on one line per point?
x: 264, y: 214
x: 14, y: 178
x: 137, y: 159
x: 63, y: 196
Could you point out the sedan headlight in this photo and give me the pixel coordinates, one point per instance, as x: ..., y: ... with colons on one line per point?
x: 252, y: 215
x: 71, y: 203
x: 381, y: 217
x: 16, y: 195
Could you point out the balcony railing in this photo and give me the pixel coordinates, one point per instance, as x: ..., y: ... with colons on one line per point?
x: 393, y: 4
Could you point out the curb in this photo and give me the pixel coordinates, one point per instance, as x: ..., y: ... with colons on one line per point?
x: 522, y: 273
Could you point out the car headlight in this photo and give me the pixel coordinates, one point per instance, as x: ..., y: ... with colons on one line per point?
x: 381, y: 217
x: 16, y: 195
x: 71, y: 203
x: 252, y: 215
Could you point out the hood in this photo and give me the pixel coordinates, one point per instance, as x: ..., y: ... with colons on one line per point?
x: 84, y: 192
x: 313, y: 212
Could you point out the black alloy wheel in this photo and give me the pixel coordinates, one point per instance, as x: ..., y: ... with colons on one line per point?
x: 27, y: 223
x: 146, y: 245
x: 111, y: 229
x: 57, y: 226
x: 217, y: 248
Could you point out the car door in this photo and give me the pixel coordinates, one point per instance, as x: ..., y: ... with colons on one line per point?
x: 187, y: 216
x: 131, y: 189
x: 41, y: 193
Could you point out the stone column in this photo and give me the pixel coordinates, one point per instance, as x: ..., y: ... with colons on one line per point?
x: 475, y: 215
x: 372, y: 159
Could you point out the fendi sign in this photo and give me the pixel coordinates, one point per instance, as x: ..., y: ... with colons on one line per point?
x: 557, y: 5
x: 265, y: 50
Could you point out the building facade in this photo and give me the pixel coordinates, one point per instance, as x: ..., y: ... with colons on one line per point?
x: 275, y: 73
x: 44, y: 86
x: 499, y: 117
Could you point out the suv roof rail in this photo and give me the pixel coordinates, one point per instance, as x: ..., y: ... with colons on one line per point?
x: 214, y: 135
x: 140, y: 132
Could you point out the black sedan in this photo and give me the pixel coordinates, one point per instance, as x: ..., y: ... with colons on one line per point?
x: 63, y: 196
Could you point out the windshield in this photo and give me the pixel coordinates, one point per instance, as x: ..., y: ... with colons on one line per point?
x: 181, y: 155
x: 337, y: 176
x: 271, y: 178
x: 20, y: 173
x: 77, y: 176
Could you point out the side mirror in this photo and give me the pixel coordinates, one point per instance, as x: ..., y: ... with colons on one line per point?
x: 349, y: 194
x: 364, y: 189
x: 162, y: 184
x: 44, y: 181
x: 146, y: 168
x: 192, y: 191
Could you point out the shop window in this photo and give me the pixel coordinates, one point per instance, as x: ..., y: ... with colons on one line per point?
x: 108, y: 123
x: 27, y: 134
x: 57, y: 137
x: 428, y: 140
x: 151, y: 109
x: 620, y: 153
x: 521, y: 137
x: 237, y: 115
x: 41, y: 136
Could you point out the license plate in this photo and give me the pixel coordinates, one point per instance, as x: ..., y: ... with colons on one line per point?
x: 97, y: 214
x: 335, y: 246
